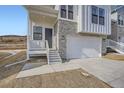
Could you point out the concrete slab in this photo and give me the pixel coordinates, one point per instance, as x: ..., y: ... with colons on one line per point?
x: 36, y: 71
x: 118, y: 83
x: 65, y: 66
x: 28, y: 66
x: 110, y: 71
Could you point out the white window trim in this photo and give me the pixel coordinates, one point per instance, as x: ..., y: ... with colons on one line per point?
x: 67, y: 19
x: 98, y: 17
x: 33, y: 30
x: 72, y: 20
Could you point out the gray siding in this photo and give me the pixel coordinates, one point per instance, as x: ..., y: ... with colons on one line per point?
x: 117, y: 31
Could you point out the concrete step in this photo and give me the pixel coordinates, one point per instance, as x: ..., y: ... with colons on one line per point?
x: 52, y: 52
x: 57, y: 57
x: 55, y: 61
x: 54, y: 57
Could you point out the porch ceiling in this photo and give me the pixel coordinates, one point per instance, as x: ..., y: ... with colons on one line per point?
x: 42, y: 10
x: 41, y: 19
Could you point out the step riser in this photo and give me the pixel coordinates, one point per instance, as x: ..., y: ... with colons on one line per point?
x: 55, y: 60
x: 54, y: 57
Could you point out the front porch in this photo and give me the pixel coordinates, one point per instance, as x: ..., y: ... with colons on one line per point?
x: 41, y: 38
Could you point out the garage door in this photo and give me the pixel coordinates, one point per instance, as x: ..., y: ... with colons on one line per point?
x: 83, y: 47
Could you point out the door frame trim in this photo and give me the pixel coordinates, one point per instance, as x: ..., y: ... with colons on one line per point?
x: 52, y: 35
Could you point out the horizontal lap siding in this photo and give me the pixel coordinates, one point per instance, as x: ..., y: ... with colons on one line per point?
x: 85, y: 16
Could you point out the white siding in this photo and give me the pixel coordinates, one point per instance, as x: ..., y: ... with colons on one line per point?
x: 85, y: 22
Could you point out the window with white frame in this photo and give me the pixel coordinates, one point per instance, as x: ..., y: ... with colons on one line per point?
x: 70, y: 11
x: 98, y: 15
x: 37, y: 33
x: 101, y: 16
x: 120, y: 20
x: 67, y: 11
x: 94, y: 14
x: 63, y: 11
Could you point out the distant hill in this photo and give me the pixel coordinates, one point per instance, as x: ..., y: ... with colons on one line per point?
x: 12, y: 39
x: 12, y: 36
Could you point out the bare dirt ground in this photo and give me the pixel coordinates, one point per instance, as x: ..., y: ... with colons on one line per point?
x: 114, y: 56
x: 63, y: 79
x: 12, y: 46
x: 8, y: 42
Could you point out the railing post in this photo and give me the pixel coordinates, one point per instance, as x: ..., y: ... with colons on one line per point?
x: 47, y: 48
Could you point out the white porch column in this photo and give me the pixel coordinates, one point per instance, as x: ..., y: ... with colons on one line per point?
x: 28, y: 31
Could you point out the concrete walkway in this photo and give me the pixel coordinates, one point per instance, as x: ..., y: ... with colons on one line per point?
x: 110, y: 71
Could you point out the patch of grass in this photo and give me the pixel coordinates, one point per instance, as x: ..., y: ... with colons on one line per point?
x: 4, y: 54
x: 18, y: 57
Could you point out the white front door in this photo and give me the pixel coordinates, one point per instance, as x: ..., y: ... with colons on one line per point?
x: 83, y: 47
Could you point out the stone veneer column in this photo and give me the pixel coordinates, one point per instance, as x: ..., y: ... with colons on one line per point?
x: 65, y: 28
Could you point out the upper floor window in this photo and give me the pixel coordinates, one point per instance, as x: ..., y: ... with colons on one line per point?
x: 120, y: 20
x: 98, y: 15
x: 94, y: 14
x: 101, y: 16
x: 67, y: 11
x: 37, y: 33
x: 63, y: 11
x: 70, y: 11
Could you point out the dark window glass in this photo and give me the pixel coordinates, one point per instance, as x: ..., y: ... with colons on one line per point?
x: 94, y: 10
x: 94, y: 14
x: 101, y: 12
x: 121, y: 22
x: 37, y: 33
x: 101, y: 20
x: 101, y: 16
x: 63, y: 11
x: 70, y: 11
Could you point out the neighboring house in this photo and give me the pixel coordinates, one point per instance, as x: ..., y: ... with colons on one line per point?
x: 117, y: 24
x: 72, y: 31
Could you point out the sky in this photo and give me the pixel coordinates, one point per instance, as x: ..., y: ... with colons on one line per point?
x: 13, y: 20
